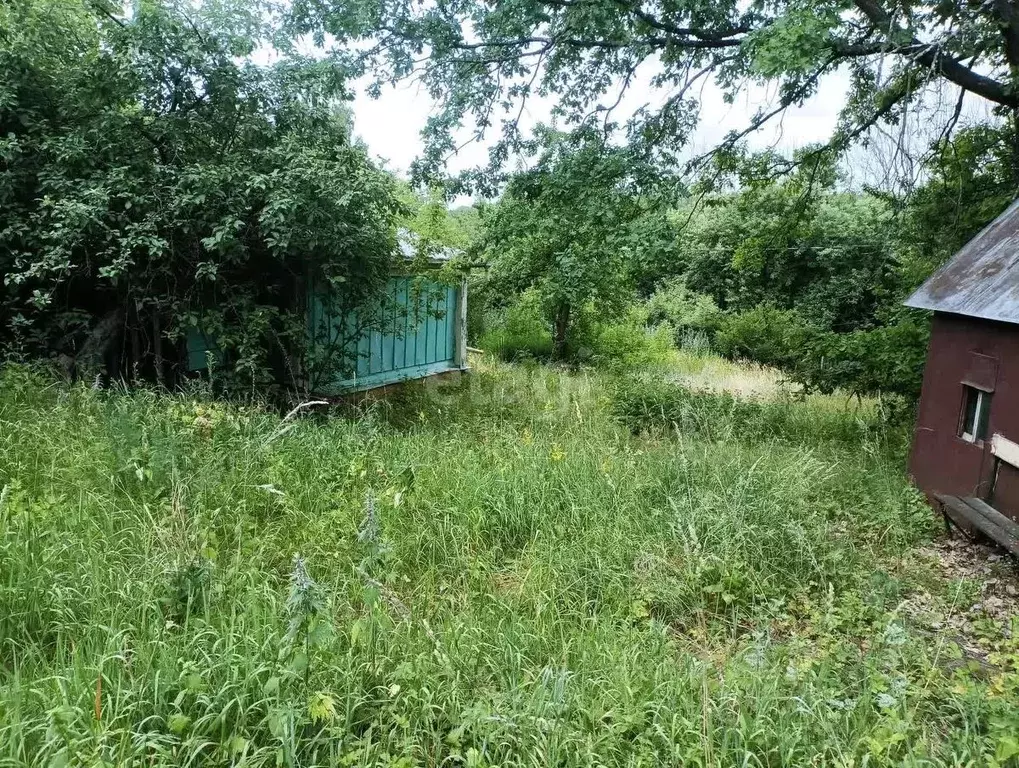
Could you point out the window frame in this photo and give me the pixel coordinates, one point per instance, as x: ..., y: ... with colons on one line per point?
x: 977, y: 431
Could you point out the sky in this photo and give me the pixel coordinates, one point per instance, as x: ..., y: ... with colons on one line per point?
x: 391, y: 124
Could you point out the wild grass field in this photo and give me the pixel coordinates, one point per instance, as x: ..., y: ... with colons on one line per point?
x: 533, y: 568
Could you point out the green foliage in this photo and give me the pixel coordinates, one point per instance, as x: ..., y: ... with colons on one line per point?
x: 681, y: 310
x: 763, y: 334
x: 517, y: 331
x: 429, y: 217
x: 155, y: 178
x: 813, y: 283
x: 562, y: 231
x: 796, y: 276
x: 653, y: 403
x: 630, y: 344
x: 520, y: 332
x: 506, y: 558
x: 655, y: 240
x: 831, y: 257
x: 888, y: 359
x: 974, y: 177
x: 487, y: 62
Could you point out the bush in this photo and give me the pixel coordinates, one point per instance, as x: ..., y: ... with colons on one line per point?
x: 628, y: 343
x: 157, y: 179
x: 683, y: 311
x: 763, y: 334
x: 696, y: 343
x: 518, y: 331
x: 521, y: 331
x: 889, y: 359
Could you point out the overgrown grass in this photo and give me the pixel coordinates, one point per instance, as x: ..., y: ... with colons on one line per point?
x: 499, y: 574
x: 652, y: 403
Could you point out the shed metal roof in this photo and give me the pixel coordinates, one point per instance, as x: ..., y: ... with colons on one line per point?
x: 982, y: 279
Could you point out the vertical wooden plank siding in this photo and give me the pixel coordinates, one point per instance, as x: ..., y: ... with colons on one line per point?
x: 400, y: 339
x: 421, y: 334
x: 423, y: 324
x: 389, y: 360
x: 460, y: 333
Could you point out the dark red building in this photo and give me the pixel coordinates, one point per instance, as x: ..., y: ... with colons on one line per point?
x: 966, y: 442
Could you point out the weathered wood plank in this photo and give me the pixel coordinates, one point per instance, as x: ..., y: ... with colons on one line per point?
x: 958, y: 509
x: 1006, y: 450
x: 1009, y: 526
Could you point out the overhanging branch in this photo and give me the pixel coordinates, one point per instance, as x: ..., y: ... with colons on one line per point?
x: 932, y: 56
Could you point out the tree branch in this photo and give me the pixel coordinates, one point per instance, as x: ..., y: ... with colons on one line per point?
x: 725, y: 35
x: 787, y: 100
x: 930, y: 55
x: 572, y: 42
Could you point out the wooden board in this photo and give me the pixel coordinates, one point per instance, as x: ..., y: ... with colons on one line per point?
x: 416, y: 338
x: 958, y: 510
x: 1006, y: 524
x: 1005, y: 450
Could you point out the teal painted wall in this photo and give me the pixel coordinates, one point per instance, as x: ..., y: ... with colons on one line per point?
x: 197, y: 345
x: 416, y: 335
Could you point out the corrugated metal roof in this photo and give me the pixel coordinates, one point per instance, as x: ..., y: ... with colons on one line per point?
x: 982, y: 279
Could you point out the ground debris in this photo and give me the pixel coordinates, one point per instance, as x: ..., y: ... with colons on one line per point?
x: 985, y: 589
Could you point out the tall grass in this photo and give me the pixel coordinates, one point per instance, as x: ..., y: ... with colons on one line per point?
x: 500, y: 574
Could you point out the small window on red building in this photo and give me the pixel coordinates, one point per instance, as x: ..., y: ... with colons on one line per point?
x: 976, y: 414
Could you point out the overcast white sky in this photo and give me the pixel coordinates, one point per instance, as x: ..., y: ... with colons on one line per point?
x: 391, y: 125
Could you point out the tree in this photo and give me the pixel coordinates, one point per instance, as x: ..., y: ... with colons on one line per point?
x: 562, y: 229
x: 428, y: 216
x: 154, y: 178
x: 792, y: 245
x: 971, y: 178
x: 484, y: 61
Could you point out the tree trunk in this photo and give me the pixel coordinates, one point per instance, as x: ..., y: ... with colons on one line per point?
x: 561, y: 326
x: 157, y: 346
x: 136, y: 342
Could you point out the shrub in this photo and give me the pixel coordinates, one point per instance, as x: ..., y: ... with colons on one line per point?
x: 889, y: 359
x: 683, y: 311
x: 518, y: 330
x: 628, y: 343
x: 157, y: 179
x: 763, y: 334
x: 884, y: 360
x: 696, y: 343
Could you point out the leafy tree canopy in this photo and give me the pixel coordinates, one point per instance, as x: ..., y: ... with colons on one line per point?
x: 563, y: 228
x: 830, y: 256
x: 972, y: 177
x: 484, y: 61
x: 153, y: 178
x: 428, y: 215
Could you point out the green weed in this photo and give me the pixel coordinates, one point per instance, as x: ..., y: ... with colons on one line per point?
x: 499, y: 573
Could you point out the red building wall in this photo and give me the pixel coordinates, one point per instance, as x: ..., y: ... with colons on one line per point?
x: 984, y: 354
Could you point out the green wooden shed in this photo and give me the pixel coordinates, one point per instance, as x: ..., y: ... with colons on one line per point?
x: 418, y: 329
